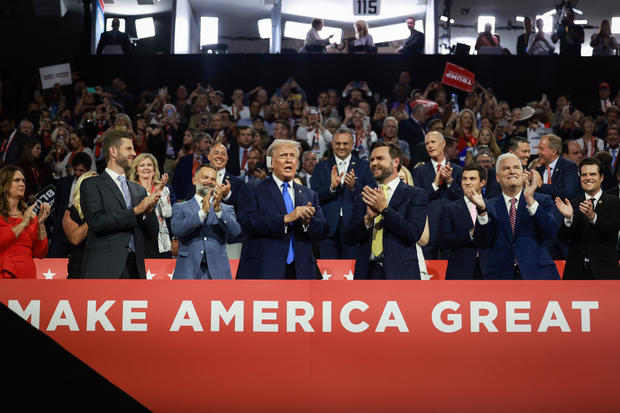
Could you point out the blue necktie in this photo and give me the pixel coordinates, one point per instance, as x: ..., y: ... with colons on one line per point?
x: 288, y: 203
x: 127, y: 197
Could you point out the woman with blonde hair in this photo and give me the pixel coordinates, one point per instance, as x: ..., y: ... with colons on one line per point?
x: 145, y: 171
x: 362, y: 37
x: 76, y: 230
x: 405, y: 175
x: 486, y: 141
x: 466, y: 131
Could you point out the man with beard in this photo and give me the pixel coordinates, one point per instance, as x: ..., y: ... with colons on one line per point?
x: 117, y: 212
x: 388, y: 221
x: 202, y: 225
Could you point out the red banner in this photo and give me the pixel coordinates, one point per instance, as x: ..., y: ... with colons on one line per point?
x: 458, y: 77
x: 162, y: 269
x: 508, y: 346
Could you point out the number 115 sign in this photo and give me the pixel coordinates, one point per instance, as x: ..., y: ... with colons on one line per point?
x: 366, y: 7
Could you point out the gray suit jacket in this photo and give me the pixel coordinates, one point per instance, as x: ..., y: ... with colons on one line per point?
x: 196, y: 236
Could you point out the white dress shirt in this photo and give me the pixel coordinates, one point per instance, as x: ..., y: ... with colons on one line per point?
x: 551, y: 169
x: 201, y: 213
x: 435, y: 163
x: 569, y: 221
x: 483, y: 220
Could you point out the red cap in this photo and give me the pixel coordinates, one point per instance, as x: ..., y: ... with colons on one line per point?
x: 604, y: 85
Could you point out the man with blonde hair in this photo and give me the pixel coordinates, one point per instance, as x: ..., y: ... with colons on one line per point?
x: 280, y: 219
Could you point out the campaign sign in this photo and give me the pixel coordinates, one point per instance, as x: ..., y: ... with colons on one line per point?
x: 458, y: 77
x: 50, y: 75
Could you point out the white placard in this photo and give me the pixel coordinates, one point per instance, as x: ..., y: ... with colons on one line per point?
x: 50, y: 75
x: 366, y: 7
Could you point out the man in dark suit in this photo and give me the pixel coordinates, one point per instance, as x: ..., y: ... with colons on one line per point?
x: 514, y: 225
x: 281, y: 219
x: 590, y: 228
x: 411, y: 130
x: 187, y: 166
x: 414, y: 45
x: 12, y: 147
x: 615, y: 190
x: 524, y: 38
x: 388, y: 221
x: 65, y: 191
x: 442, y: 182
x: 117, y: 212
x: 239, y: 152
x: 114, y: 37
x: 337, y: 181
x: 558, y: 178
x: 456, y: 230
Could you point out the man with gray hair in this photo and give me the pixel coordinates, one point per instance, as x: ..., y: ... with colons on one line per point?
x: 390, y: 134
x: 337, y: 181
x: 281, y: 220
x: 411, y: 129
x: 515, y: 225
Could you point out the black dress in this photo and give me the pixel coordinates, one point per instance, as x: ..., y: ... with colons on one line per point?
x: 76, y: 253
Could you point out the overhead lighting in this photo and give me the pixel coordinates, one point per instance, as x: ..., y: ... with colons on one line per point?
x: 581, y: 21
x: 443, y: 18
x: 549, y: 13
x: 264, y: 28
x: 451, y: 21
x: 615, y: 24
x: 108, y: 24
x: 145, y: 27
x: 548, y: 23
x: 579, y: 12
x: 520, y: 19
x: 208, y: 30
x: 297, y: 30
x: 389, y: 33
x: 483, y: 20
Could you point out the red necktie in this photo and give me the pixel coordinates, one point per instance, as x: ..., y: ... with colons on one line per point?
x: 244, y: 159
x: 513, y: 214
x: 440, y: 180
x: 548, y: 174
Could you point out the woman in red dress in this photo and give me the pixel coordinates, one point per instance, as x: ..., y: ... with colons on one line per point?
x: 22, y: 233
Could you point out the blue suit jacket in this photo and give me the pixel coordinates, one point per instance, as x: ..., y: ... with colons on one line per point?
x: 402, y: 228
x: 196, y: 236
x: 410, y: 131
x: 423, y: 177
x: 454, y: 235
x: 343, y: 197
x: 564, y: 180
x: 261, y: 215
x: 527, y: 244
x: 182, y: 178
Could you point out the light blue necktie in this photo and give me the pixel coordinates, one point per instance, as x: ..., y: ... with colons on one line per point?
x: 127, y: 196
x: 288, y: 203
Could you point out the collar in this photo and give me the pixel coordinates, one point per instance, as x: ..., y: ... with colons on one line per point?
x: 198, y: 199
x: 393, y: 184
x: 346, y: 160
x: 507, y: 198
x: 554, y: 163
x: 435, y: 163
x: 113, y: 174
x: 597, y: 197
x: 279, y: 182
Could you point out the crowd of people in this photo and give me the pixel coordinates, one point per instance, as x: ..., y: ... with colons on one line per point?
x: 280, y: 179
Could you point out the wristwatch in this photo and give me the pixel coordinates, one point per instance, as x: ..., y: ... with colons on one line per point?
x: 385, y: 211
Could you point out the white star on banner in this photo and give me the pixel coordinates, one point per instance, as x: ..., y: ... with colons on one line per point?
x: 170, y: 275
x: 326, y: 276
x: 149, y: 274
x: 349, y: 276
x: 49, y: 275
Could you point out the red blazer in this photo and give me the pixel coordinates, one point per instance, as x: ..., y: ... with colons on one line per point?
x: 16, y: 254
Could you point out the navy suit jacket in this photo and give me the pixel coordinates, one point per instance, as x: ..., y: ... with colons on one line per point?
x: 343, y: 197
x: 527, y: 244
x: 423, y: 177
x: 564, y: 180
x: 182, y: 178
x: 454, y: 235
x: 492, y: 188
x: 261, y: 215
x: 410, y: 131
x: 414, y: 44
x: 60, y: 244
x: 402, y: 228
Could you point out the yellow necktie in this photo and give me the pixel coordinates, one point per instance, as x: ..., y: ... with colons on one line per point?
x: 377, y: 239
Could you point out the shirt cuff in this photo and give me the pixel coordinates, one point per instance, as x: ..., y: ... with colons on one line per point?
x: 568, y: 221
x: 533, y: 208
x: 483, y: 219
x: 227, y: 197
x: 435, y: 187
x: 594, y: 219
x: 305, y: 227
